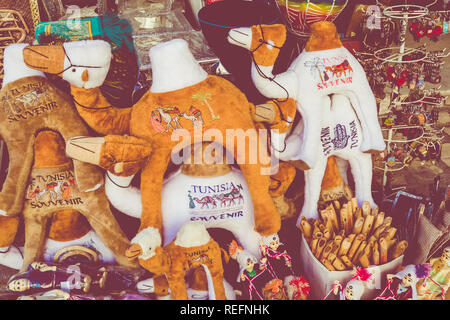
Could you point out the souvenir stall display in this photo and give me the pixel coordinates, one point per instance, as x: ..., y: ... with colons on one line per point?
x: 409, y: 109
x: 224, y: 150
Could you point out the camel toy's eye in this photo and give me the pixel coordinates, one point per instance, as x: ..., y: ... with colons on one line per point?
x: 74, y: 70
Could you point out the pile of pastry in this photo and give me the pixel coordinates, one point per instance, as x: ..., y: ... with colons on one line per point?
x: 348, y: 236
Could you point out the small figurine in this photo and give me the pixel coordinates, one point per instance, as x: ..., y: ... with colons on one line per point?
x: 402, y: 285
x: 253, y: 276
x: 278, y: 262
x: 435, y: 286
x: 41, y: 276
x: 355, y: 287
x: 273, y: 290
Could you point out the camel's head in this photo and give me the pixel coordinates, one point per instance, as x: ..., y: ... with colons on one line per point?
x: 145, y: 244
x: 84, y: 64
x: 264, y: 41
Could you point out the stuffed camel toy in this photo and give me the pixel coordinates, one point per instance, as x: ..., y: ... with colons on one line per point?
x: 30, y: 104
x: 182, y: 96
x: 192, y: 248
x: 53, y: 183
x: 324, y: 67
x: 344, y: 125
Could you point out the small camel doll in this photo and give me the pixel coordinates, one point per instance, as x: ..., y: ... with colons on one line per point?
x: 192, y: 248
x: 435, y: 286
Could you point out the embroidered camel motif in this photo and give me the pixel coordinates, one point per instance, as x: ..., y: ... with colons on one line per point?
x: 338, y: 70
x: 206, y: 201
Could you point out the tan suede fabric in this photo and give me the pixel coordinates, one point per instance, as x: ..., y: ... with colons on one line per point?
x: 28, y: 106
x: 8, y: 230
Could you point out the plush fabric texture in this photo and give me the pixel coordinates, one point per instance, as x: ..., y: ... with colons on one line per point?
x: 174, y: 261
x: 30, y: 105
x: 133, y: 154
x: 324, y: 36
x: 8, y: 227
x: 275, y: 36
x: 281, y: 181
x: 51, y: 188
x: 38, y: 57
x: 66, y: 225
x: 219, y: 104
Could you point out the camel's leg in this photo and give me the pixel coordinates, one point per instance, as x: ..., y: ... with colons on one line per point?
x: 217, y: 280
x: 177, y: 285
x: 88, y: 176
x: 313, y: 183
x: 361, y: 166
x: 96, y: 210
x: 151, y: 187
x: 267, y: 218
x: 35, y: 233
x: 311, y: 109
x: 12, y: 194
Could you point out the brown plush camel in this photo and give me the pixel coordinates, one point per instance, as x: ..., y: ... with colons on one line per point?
x: 29, y: 105
x: 158, y: 117
x: 192, y: 248
x: 53, y: 195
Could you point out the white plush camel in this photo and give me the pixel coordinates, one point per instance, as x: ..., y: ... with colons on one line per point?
x: 341, y: 136
x: 315, y: 73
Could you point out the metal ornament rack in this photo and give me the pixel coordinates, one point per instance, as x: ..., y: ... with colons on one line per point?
x: 404, y: 13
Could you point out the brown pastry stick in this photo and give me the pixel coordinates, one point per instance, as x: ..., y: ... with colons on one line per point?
x: 327, y: 234
x: 341, y: 233
x: 322, y: 227
x: 334, y: 219
x: 350, y: 215
x: 364, y: 260
x: 338, y: 264
x: 335, y: 249
x: 354, y: 205
x: 347, y: 262
x: 378, y: 220
x: 355, y: 245
x: 329, y: 226
x: 366, y: 208
x: 375, y: 254
x: 316, y: 226
x: 317, y: 235
x: 387, y: 221
x: 389, y: 233
x: 345, y: 247
x: 391, y: 243
x: 327, y: 264
x: 314, y: 242
x: 374, y: 211
x: 358, y: 252
x: 358, y: 213
x: 325, y: 214
x: 305, y: 227
x: 383, y: 247
x: 377, y: 233
x: 351, y: 237
x: 368, y: 224
x: 372, y: 240
x: 344, y: 219
x: 364, y: 256
x: 337, y: 205
x: 399, y: 249
x: 326, y: 251
x: 320, y: 246
x: 357, y: 227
